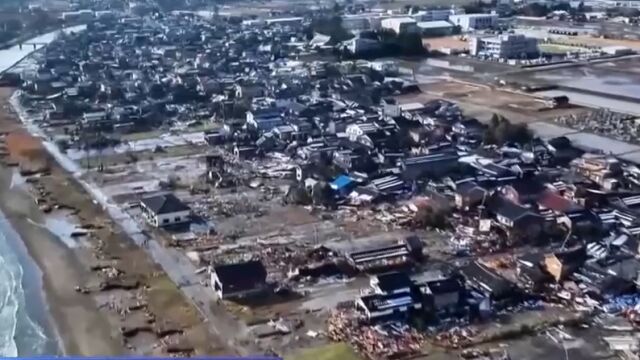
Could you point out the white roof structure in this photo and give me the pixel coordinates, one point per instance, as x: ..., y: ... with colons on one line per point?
x: 438, y: 24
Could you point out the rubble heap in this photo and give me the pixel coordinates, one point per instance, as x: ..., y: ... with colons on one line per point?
x: 373, y: 342
x: 604, y: 122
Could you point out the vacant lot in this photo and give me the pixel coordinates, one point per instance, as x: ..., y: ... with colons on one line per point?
x: 482, y: 101
x: 449, y: 42
x: 338, y: 351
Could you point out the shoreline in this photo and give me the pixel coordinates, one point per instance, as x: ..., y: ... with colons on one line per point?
x: 36, y: 305
x: 72, y: 314
x: 75, y: 319
x: 98, y: 322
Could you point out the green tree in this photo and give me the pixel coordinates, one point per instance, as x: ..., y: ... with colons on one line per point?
x: 501, y: 131
x: 410, y: 44
x: 473, y: 8
x: 534, y: 10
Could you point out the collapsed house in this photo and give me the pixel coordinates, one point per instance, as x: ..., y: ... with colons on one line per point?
x: 486, y: 281
x: 385, y: 257
x: 239, y: 280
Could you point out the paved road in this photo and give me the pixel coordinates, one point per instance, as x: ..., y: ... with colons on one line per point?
x: 177, y: 266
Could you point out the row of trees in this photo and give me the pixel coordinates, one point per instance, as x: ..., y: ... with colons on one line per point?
x: 540, y: 10
x: 502, y: 131
x: 36, y: 21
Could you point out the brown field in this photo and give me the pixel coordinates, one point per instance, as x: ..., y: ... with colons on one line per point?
x: 451, y: 42
x: 596, y: 41
x: 482, y: 101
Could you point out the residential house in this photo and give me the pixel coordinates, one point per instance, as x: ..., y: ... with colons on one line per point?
x: 434, y: 164
x: 515, y: 217
x: 524, y: 190
x: 602, y: 170
x: 265, y: 119
x: 445, y: 294
x: 392, y: 282
x: 469, y: 194
x: 395, y: 305
x: 164, y: 210
x: 385, y: 257
x: 569, y: 213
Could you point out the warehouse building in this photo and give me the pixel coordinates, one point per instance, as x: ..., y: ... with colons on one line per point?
x: 469, y: 22
x: 357, y: 23
x: 401, y: 25
x: 509, y: 46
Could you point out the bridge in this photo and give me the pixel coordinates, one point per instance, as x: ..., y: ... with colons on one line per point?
x: 34, y: 44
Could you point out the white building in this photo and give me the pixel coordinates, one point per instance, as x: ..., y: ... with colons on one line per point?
x: 474, y: 21
x: 356, y: 23
x: 359, y: 45
x: 509, y: 46
x: 436, y: 15
x: 617, y: 50
x: 401, y: 25
x: 77, y: 16
x: 164, y: 210
x: 288, y: 21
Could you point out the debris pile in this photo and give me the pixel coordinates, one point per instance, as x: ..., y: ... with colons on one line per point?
x: 604, y: 122
x: 468, y: 239
x: 456, y: 337
x: 374, y: 342
x: 227, y: 208
x: 625, y: 305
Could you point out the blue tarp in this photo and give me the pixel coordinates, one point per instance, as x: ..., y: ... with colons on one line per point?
x: 341, y: 182
x: 622, y: 303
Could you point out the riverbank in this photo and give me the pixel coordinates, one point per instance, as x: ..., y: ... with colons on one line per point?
x: 82, y: 330
x: 12, y: 56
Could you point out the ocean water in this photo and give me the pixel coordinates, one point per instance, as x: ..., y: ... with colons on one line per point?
x: 25, y: 329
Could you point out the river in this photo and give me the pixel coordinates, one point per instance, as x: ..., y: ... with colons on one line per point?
x: 13, y: 55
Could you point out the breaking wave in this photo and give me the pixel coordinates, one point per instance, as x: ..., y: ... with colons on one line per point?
x: 20, y: 335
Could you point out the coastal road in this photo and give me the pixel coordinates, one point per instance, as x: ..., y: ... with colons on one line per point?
x: 176, y: 264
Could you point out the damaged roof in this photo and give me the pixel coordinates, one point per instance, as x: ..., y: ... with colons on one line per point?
x: 393, y: 281
x: 241, y: 276
x: 487, y: 280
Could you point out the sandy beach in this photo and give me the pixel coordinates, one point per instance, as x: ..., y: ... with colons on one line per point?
x: 137, y: 311
x: 82, y: 329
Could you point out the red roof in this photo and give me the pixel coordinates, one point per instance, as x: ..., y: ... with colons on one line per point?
x: 553, y: 201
